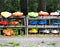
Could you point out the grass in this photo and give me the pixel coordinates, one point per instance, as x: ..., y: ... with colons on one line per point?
x: 52, y: 44
x: 43, y: 41
x: 31, y: 45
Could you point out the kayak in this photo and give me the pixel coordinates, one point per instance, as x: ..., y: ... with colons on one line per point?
x: 32, y: 22
x: 55, y: 23
x: 42, y: 22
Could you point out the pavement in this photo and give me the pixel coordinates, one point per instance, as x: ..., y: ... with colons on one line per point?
x: 32, y: 41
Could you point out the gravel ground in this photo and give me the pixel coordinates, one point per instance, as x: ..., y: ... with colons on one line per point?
x: 32, y: 42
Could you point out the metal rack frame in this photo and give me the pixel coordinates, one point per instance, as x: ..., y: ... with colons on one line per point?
x: 26, y: 20
x: 42, y: 18
x: 22, y: 26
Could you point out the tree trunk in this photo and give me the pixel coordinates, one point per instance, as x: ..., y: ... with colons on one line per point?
x: 23, y: 5
x: 41, y: 5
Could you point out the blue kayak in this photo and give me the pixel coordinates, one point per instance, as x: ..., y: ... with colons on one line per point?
x: 32, y: 22
x: 58, y: 11
x: 42, y: 22
x: 55, y: 23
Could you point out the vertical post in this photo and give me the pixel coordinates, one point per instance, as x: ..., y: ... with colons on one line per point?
x: 27, y: 26
x: 23, y: 5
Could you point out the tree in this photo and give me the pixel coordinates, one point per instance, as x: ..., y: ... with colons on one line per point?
x: 32, y: 5
x: 12, y: 5
x: 41, y: 5
x: 2, y: 6
x: 52, y: 5
x: 23, y: 5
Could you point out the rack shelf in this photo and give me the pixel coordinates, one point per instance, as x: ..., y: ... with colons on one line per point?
x: 51, y: 26
x: 12, y: 26
x: 35, y: 26
x: 42, y: 26
x: 44, y: 17
x: 14, y: 17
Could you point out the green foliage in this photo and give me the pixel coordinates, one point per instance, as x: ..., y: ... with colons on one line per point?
x: 42, y: 41
x: 32, y: 5
x: 52, y: 44
x: 14, y: 43
x: 10, y: 5
x: 2, y: 6
x: 30, y: 45
x: 21, y: 33
x: 52, y: 5
x: 1, y: 44
x: 15, y: 31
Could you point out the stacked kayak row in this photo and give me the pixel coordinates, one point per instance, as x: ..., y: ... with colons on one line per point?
x: 45, y: 31
x: 43, y: 13
x: 6, y: 14
x: 42, y: 22
x: 12, y: 31
x: 37, y: 22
